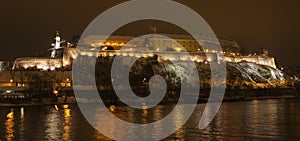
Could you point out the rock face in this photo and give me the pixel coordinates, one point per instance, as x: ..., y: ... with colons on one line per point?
x: 241, y: 75
x: 256, y: 76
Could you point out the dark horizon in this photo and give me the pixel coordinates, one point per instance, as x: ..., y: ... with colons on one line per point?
x: 28, y: 26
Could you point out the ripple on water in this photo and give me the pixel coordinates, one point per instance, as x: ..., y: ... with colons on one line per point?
x: 258, y: 120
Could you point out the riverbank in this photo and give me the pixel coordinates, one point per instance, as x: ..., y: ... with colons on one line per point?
x: 251, y: 94
x: 42, y: 101
x: 231, y: 95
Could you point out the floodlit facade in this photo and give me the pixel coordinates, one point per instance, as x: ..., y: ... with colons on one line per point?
x: 159, y: 43
x: 38, y: 63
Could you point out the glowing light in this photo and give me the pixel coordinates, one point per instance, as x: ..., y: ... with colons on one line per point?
x: 56, y: 107
x: 138, y: 55
x: 45, y: 68
x: 58, y: 66
x: 104, y: 48
x: 66, y: 106
x: 178, y: 49
x: 112, y: 108
x: 25, y: 66
x: 55, y: 92
x: 183, y: 58
x: 124, y: 54
x: 209, y: 59
x: 150, y: 55
x: 10, y: 115
x: 57, y: 38
x: 110, y: 54
x: 144, y: 55
x: 90, y: 54
x: 144, y: 106
x: 52, y: 68
x: 11, y: 80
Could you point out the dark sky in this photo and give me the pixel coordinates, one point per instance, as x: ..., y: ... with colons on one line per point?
x: 27, y: 26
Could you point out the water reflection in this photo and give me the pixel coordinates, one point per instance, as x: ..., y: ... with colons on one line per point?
x: 67, y: 117
x: 22, y: 123
x: 251, y: 120
x: 9, y: 124
x: 52, y: 122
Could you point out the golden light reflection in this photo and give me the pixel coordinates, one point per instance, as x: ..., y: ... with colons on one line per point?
x: 178, y: 116
x: 22, y: 113
x: 144, y: 114
x: 272, y: 115
x: 67, y: 117
x: 21, y: 123
x: 255, y: 115
x: 9, y: 124
x: 104, y: 120
x: 179, y: 120
x: 157, y: 115
x: 10, y: 115
x: 53, y: 131
x: 180, y: 134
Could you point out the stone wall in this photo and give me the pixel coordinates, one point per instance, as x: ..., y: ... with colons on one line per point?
x: 261, y: 60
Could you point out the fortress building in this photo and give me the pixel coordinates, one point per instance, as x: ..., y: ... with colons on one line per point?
x: 62, y: 56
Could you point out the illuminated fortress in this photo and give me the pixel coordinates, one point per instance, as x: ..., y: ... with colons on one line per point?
x: 98, y: 45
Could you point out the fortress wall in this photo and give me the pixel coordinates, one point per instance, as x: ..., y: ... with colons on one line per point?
x: 198, y: 57
x: 39, y: 63
x: 262, y: 60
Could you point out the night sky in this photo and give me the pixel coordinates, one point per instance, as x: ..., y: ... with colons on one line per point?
x: 27, y: 26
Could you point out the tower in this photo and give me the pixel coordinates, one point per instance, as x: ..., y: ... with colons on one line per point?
x: 56, y: 45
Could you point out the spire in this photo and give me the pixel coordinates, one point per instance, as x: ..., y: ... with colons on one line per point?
x: 57, y: 33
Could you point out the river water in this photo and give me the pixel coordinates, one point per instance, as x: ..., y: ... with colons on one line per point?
x: 277, y: 119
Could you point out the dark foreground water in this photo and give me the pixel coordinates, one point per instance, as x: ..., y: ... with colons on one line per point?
x: 259, y: 120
